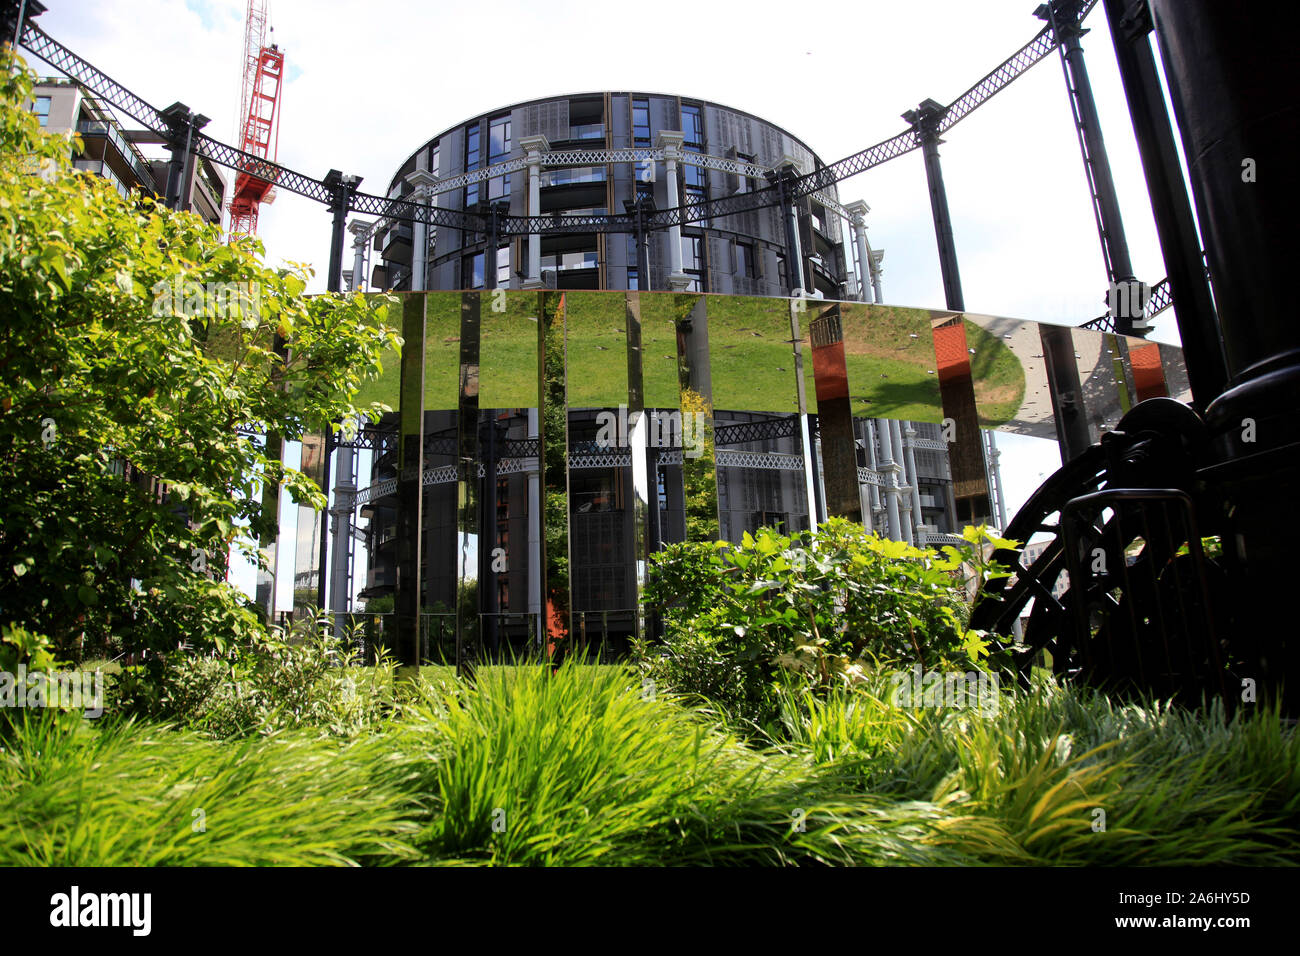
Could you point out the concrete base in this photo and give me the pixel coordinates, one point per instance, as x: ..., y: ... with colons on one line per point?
x: 679, y: 282
x: 532, y: 284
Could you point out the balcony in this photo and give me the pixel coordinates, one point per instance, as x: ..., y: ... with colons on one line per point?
x: 572, y: 176
x: 100, y: 168
x: 100, y: 129
x: 587, y: 131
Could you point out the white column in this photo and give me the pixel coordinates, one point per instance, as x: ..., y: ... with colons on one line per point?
x: 995, y: 480
x: 875, y: 255
x: 890, y: 470
x: 344, y: 490
x: 361, y: 230
x: 909, y: 454
x: 670, y: 141
x: 905, y: 500
x: 423, y: 183
x: 858, y: 211
x: 533, y: 147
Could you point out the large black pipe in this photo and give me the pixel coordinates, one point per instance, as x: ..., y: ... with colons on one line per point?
x: 1180, y: 244
x: 1234, y: 94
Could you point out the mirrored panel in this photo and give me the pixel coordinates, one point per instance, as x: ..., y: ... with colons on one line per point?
x: 597, y: 336
x: 1009, y: 368
x: 961, y: 423
x: 554, y: 472
x: 1105, y: 381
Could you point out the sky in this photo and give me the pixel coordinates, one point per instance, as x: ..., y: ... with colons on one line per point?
x: 370, y: 82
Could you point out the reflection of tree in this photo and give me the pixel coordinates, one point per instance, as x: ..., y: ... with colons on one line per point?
x: 554, y: 434
x: 700, y: 475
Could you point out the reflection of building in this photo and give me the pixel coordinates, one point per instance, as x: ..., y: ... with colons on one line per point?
x: 114, y: 153
x: 560, y: 156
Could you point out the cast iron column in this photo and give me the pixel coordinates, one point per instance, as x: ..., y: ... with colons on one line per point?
x: 925, y: 119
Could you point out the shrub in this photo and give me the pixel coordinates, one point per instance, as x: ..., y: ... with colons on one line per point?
x: 304, y: 677
x: 815, y: 609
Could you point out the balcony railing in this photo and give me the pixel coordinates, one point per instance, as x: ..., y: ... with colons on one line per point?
x: 100, y: 168
x: 114, y: 136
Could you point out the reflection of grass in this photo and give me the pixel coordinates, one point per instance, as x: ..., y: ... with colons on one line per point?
x: 385, y: 387
x: 659, y: 350
x: 507, y: 355
x: 750, y: 355
x: 597, y: 358
x: 753, y: 364
x: 890, y: 369
x: 999, y: 380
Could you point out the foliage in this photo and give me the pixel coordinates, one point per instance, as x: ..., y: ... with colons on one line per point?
x: 1175, y: 787
x: 700, y: 474
x: 20, y: 646
x: 124, y: 354
x: 814, y: 608
x: 127, y: 794
x: 582, y: 767
x: 588, y: 766
x: 300, y: 678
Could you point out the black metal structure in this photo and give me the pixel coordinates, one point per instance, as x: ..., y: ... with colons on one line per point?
x: 1146, y: 606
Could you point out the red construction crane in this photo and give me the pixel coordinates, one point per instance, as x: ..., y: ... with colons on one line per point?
x: 259, y: 111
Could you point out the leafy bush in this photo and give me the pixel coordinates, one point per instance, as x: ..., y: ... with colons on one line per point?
x: 127, y: 399
x: 301, y: 678
x: 813, y: 608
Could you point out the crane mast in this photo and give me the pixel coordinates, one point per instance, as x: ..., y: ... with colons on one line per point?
x: 259, y: 130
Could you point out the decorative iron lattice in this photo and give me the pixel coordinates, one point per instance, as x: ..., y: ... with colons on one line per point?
x: 607, y: 459
x: 929, y: 444
x: 743, y: 433
x: 814, y: 183
x: 868, y: 477
x: 762, y: 460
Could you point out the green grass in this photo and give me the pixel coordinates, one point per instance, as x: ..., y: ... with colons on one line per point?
x: 584, y: 767
x: 121, y: 794
x: 1176, y: 787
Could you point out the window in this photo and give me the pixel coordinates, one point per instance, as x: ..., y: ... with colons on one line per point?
x: 503, y: 267
x: 744, y: 260
x: 693, y: 262
x: 571, y: 260
x: 645, y: 191
x: 572, y: 176
x: 473, y: 157
x: 692, y: 128
x: 633, y: 265
x: 695, y: 182
x: 691, y: 253
x: 435, y: 160
x: 471, y: 271
x: 498, y: 152
x: 640, y: 122
x: 42, y: 109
